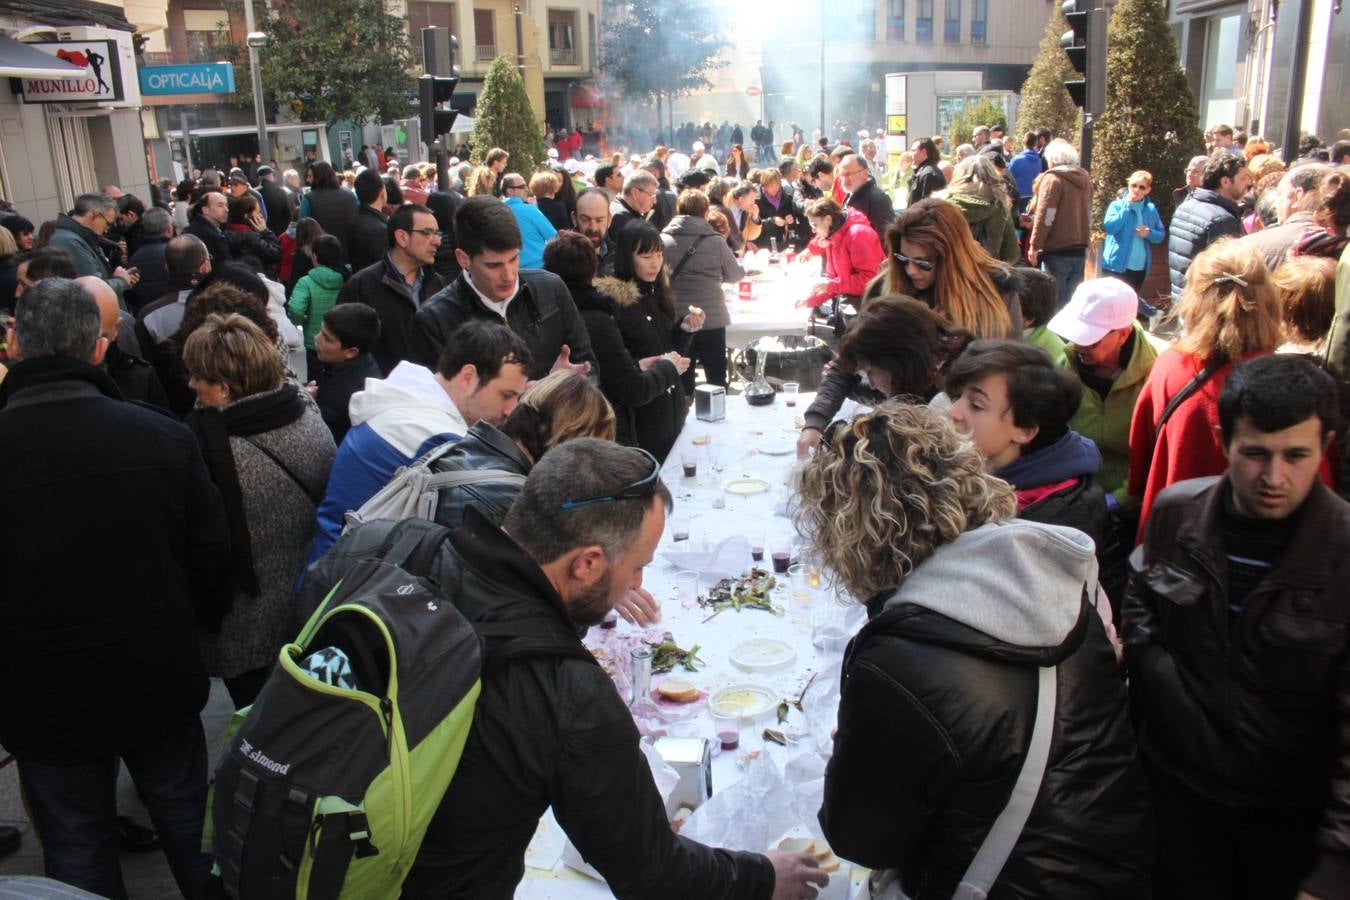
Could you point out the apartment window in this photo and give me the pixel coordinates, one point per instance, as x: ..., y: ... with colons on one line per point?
x: 951, y: 22
x: 562, y: 37
x: 923, y: 22
x: 895, y: 21
x: 484, y: 35
x: 979, y: 20
x: 207, y: 31
x: 428, y: 14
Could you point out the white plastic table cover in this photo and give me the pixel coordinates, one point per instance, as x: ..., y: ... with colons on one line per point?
x: 736, y: 446
x: 772, y: 309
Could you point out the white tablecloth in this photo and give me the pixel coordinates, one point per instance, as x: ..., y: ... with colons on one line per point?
x: 744, y: 445
x: 773, y: 309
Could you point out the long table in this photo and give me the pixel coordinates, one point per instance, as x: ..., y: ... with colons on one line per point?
x: 751, y: 442
x: 773, y: 310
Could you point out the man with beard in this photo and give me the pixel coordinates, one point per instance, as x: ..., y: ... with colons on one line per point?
x: 591, y: 219
x: 550, y: 729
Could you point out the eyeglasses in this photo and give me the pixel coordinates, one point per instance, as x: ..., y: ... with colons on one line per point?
x: 1139, y: 187
x: 643, y: 489
x: 923, y: 265
x: 428, y: 232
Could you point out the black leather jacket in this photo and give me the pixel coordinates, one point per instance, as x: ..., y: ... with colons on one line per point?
x: 484, y: 447
x: 1255, y: 712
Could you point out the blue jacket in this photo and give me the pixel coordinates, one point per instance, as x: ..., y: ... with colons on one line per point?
x: 1120, y: 222
x: 535, y: 232
x: 394, y: 421
x: 1024, y: 167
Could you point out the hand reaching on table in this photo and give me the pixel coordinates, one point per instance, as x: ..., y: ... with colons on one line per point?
x: 807, y: 441
x: 639, y: 607
x: 796, y: 875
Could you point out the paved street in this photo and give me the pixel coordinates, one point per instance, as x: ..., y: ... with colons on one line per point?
x: 147, y: 874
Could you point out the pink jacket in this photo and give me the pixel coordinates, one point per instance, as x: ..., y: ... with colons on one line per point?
x: 852, y: 258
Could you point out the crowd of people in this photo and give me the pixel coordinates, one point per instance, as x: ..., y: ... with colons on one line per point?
x: 1099, y: 548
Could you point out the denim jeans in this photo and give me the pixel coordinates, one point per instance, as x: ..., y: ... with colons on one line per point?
x: 1068, y: 272
x: 74, y: 809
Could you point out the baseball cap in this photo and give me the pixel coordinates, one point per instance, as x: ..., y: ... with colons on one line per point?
x: 552, y: 152
x: 571, y: 167
x: 1098, y: 306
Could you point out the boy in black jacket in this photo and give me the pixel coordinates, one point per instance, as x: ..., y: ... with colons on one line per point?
x: 343, y: 345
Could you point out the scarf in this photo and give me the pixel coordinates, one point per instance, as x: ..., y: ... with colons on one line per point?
x: 213, y: 428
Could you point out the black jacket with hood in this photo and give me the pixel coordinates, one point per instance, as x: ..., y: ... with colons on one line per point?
x: 383, y: 288
x: 935, y: 717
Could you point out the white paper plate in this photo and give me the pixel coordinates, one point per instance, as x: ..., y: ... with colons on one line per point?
x: 784, y: 447
x: 743, y: 487
x: 755, y: 700
x: 763, y: 655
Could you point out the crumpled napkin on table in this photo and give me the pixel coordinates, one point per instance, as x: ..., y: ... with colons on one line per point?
x: 726, y: 559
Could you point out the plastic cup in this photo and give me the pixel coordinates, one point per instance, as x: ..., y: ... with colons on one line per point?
x: 790, y: 391
x: 689, y: 460
x: 802, y: 591
x: 686, y: 586
x: 780, y: 551
x: 727, y: 724
x: 679, y: 526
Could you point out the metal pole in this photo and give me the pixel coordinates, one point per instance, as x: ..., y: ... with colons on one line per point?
x: 263, y: 149
x: 187, y: 145
x: 520, y: 43
x: 1298, y: 78
x: 823, y: 133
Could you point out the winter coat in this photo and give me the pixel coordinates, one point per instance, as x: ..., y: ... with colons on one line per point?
x: 313, y: 297
x: 336, y: 383
x: 620, y: 214
x: 483, y: 448
x: 1200, y: 220
x: 393, y: 422
x: 261, y: 245
x: 852, y: 258
x: 555, y: 211
x: 542, y: 313
x: 154, y: 281
x: 535, y: 232
x: 936, y: 709
x: 83, y: 246
x: 383, y: 288
x: 626, y: 386
x: 368, y: 238
x: 872, y: 202
x: 712, y: 264
x: 280, y: 516
x: 335, y: 211
x: 1025, y: 167
x: 217, y: 244
x: 1106, y: 422
x: 95, y: 663
x: 551, y: 730
x: 925, y: 180
x: 1120, y: 222
x: 1063, y: 210
x: 1247, y: 710
x: 1057, y: 485
x: 991, y: 226
x: 1051, y: 343
x: 278, y: 204
x: 770, y: 230
x: 1277, y: 241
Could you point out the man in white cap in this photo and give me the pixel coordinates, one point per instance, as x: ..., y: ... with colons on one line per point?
x: 701, y: 159
x: 1112, y: 356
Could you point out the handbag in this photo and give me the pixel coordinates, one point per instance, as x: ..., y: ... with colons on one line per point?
x: 989, y: 860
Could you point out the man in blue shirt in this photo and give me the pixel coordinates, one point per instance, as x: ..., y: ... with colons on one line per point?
x: 1024, y: 167
x: 535, y: 229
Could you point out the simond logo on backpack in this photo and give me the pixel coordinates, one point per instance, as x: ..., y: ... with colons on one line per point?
x: 262, y: 759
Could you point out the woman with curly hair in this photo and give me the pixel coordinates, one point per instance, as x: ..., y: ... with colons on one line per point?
x: 978, y: 622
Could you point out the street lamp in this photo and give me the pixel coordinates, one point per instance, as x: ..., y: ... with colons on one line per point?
x: 256, y: 40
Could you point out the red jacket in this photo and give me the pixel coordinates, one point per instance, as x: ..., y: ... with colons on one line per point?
x: 851, y: 259
x: 1190, y: 445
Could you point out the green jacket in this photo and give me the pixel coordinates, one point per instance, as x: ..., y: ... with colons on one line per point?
x: 991, y: 225
x: 1051, y: 343
x: 1107, y: 422
x: 83, y: 246
x: 313, y: 297
x: 1338, y: 338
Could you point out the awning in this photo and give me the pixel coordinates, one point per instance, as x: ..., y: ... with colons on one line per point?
x: 230, y: 130
x: 18, y: 60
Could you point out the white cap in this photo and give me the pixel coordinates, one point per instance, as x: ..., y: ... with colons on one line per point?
x: 698, y: 145
x: 552, y: 152
x: 1099, y: 306
x: 571, y: 167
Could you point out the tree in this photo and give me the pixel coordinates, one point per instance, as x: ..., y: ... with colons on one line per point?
x: 504, y: 118
x: 660, y: 51
x: 1150, y: 119
x: 1045, y: 101
x: 985, y: 111
x: 331, y: 59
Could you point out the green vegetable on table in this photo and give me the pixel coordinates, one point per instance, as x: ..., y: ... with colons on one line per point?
x: 666, y: 655
x: 747, y: 592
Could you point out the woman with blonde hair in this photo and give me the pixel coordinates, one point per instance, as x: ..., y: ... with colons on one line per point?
x: 269, y: 452
x: 1306, y: 286
x: 1231, y: 313
x: 934, y: 258
x: 977, y: 622
x: 977, y: 190
x: 482, y: 180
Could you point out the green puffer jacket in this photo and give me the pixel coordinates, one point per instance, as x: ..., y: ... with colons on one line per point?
x: 991, y: 224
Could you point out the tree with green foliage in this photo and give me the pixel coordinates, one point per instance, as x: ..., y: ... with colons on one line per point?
x: 985, y: 111
x: 1150, y: 120
x: 330, y: 59
x: 660, y: 51
x: 1045, y: 101
x: 505, y: 119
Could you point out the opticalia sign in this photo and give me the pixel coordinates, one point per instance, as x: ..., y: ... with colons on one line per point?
x: 204, y: 78
x: 100, y: 83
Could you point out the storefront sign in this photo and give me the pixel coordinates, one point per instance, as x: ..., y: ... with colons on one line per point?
x: 101, y: 83
x: 203, y: 78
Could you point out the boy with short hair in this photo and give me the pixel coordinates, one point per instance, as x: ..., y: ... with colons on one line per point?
x: 343, y: 344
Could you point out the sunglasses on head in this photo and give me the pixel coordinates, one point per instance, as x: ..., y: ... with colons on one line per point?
x: 923, y: 265
x: 643, y: 489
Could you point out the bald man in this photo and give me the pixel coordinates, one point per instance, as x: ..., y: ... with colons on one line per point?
x: 134, y: 376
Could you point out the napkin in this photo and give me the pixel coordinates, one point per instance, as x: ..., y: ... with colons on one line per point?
x: 726, y: 559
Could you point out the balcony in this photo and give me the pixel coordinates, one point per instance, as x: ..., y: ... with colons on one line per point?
x: 562, y: 56
x: 485, y: 52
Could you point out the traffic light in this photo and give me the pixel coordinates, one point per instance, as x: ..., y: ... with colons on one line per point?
x: 1075, y: 44
x: 433, y: 90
